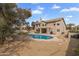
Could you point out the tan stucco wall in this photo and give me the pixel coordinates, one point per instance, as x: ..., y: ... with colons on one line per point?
x: 51, y: 27
x: 54, y: 28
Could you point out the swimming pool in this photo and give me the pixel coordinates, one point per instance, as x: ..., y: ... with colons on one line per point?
x: 43, y: 37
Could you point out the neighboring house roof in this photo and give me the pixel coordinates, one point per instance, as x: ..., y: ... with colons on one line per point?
x: 37, y: 22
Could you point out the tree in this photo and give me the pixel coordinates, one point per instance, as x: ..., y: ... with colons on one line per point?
x: 33, y: 25
x: 8, y: 17
x: 8, y: 12
x: 28, y: 26
x: 23, y: 14
x: 77, y: 27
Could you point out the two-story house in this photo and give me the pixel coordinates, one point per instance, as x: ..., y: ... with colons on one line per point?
x: 54, y: 26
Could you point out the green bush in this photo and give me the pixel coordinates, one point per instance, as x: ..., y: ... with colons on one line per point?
x: 74, y: 31
x: 22, y: 33
x: 77, y: 51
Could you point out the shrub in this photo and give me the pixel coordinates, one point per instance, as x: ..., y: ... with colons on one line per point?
x: 77, y: 51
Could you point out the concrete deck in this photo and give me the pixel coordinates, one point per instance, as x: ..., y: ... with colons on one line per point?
x: 37, y: 48
x: 45, y: 48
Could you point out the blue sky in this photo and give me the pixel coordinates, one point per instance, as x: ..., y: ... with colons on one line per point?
x: 69, y: 11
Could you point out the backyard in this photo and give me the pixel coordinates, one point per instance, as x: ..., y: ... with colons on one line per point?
x: 15, y: 39
x: 36, y: 48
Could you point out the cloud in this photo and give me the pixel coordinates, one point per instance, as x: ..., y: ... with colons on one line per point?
x: 36, y: 12
x: 55, y: 6
x: 34, y: 3
x: 70, y: 9
x: 67, y: 19
x: 69, y: 16
x: 40, y: 8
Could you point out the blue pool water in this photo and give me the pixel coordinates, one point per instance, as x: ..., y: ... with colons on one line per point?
x: 41, y: 36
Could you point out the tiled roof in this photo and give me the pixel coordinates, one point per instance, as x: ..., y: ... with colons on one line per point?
x: 50, y: 21
x: 54, y: 20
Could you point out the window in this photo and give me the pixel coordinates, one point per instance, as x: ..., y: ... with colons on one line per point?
x: 62, y: 33
x: 42, y: 24
x: 23, y: 28
x: 17, y: 28
x: 39, y: 25
x: 45, y: 24
x: 36, y: 25
x: 54, y: 24
x: 58, y: 30
x: 58, y: 24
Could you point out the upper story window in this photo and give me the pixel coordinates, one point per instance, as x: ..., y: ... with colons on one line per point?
x: 45, y: 24
x: 23, y: 28
x: 42, y: 24
x: 39, y: 25
x: 36, y: 25
x: 54, y: 24
x: 58, y: 24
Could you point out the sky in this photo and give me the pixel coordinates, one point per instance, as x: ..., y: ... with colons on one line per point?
x: 47, y: 11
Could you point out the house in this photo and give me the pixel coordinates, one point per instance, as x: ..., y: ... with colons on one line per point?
x: 53, y: 26
x: 72, y: 28
x: 20, y: 27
